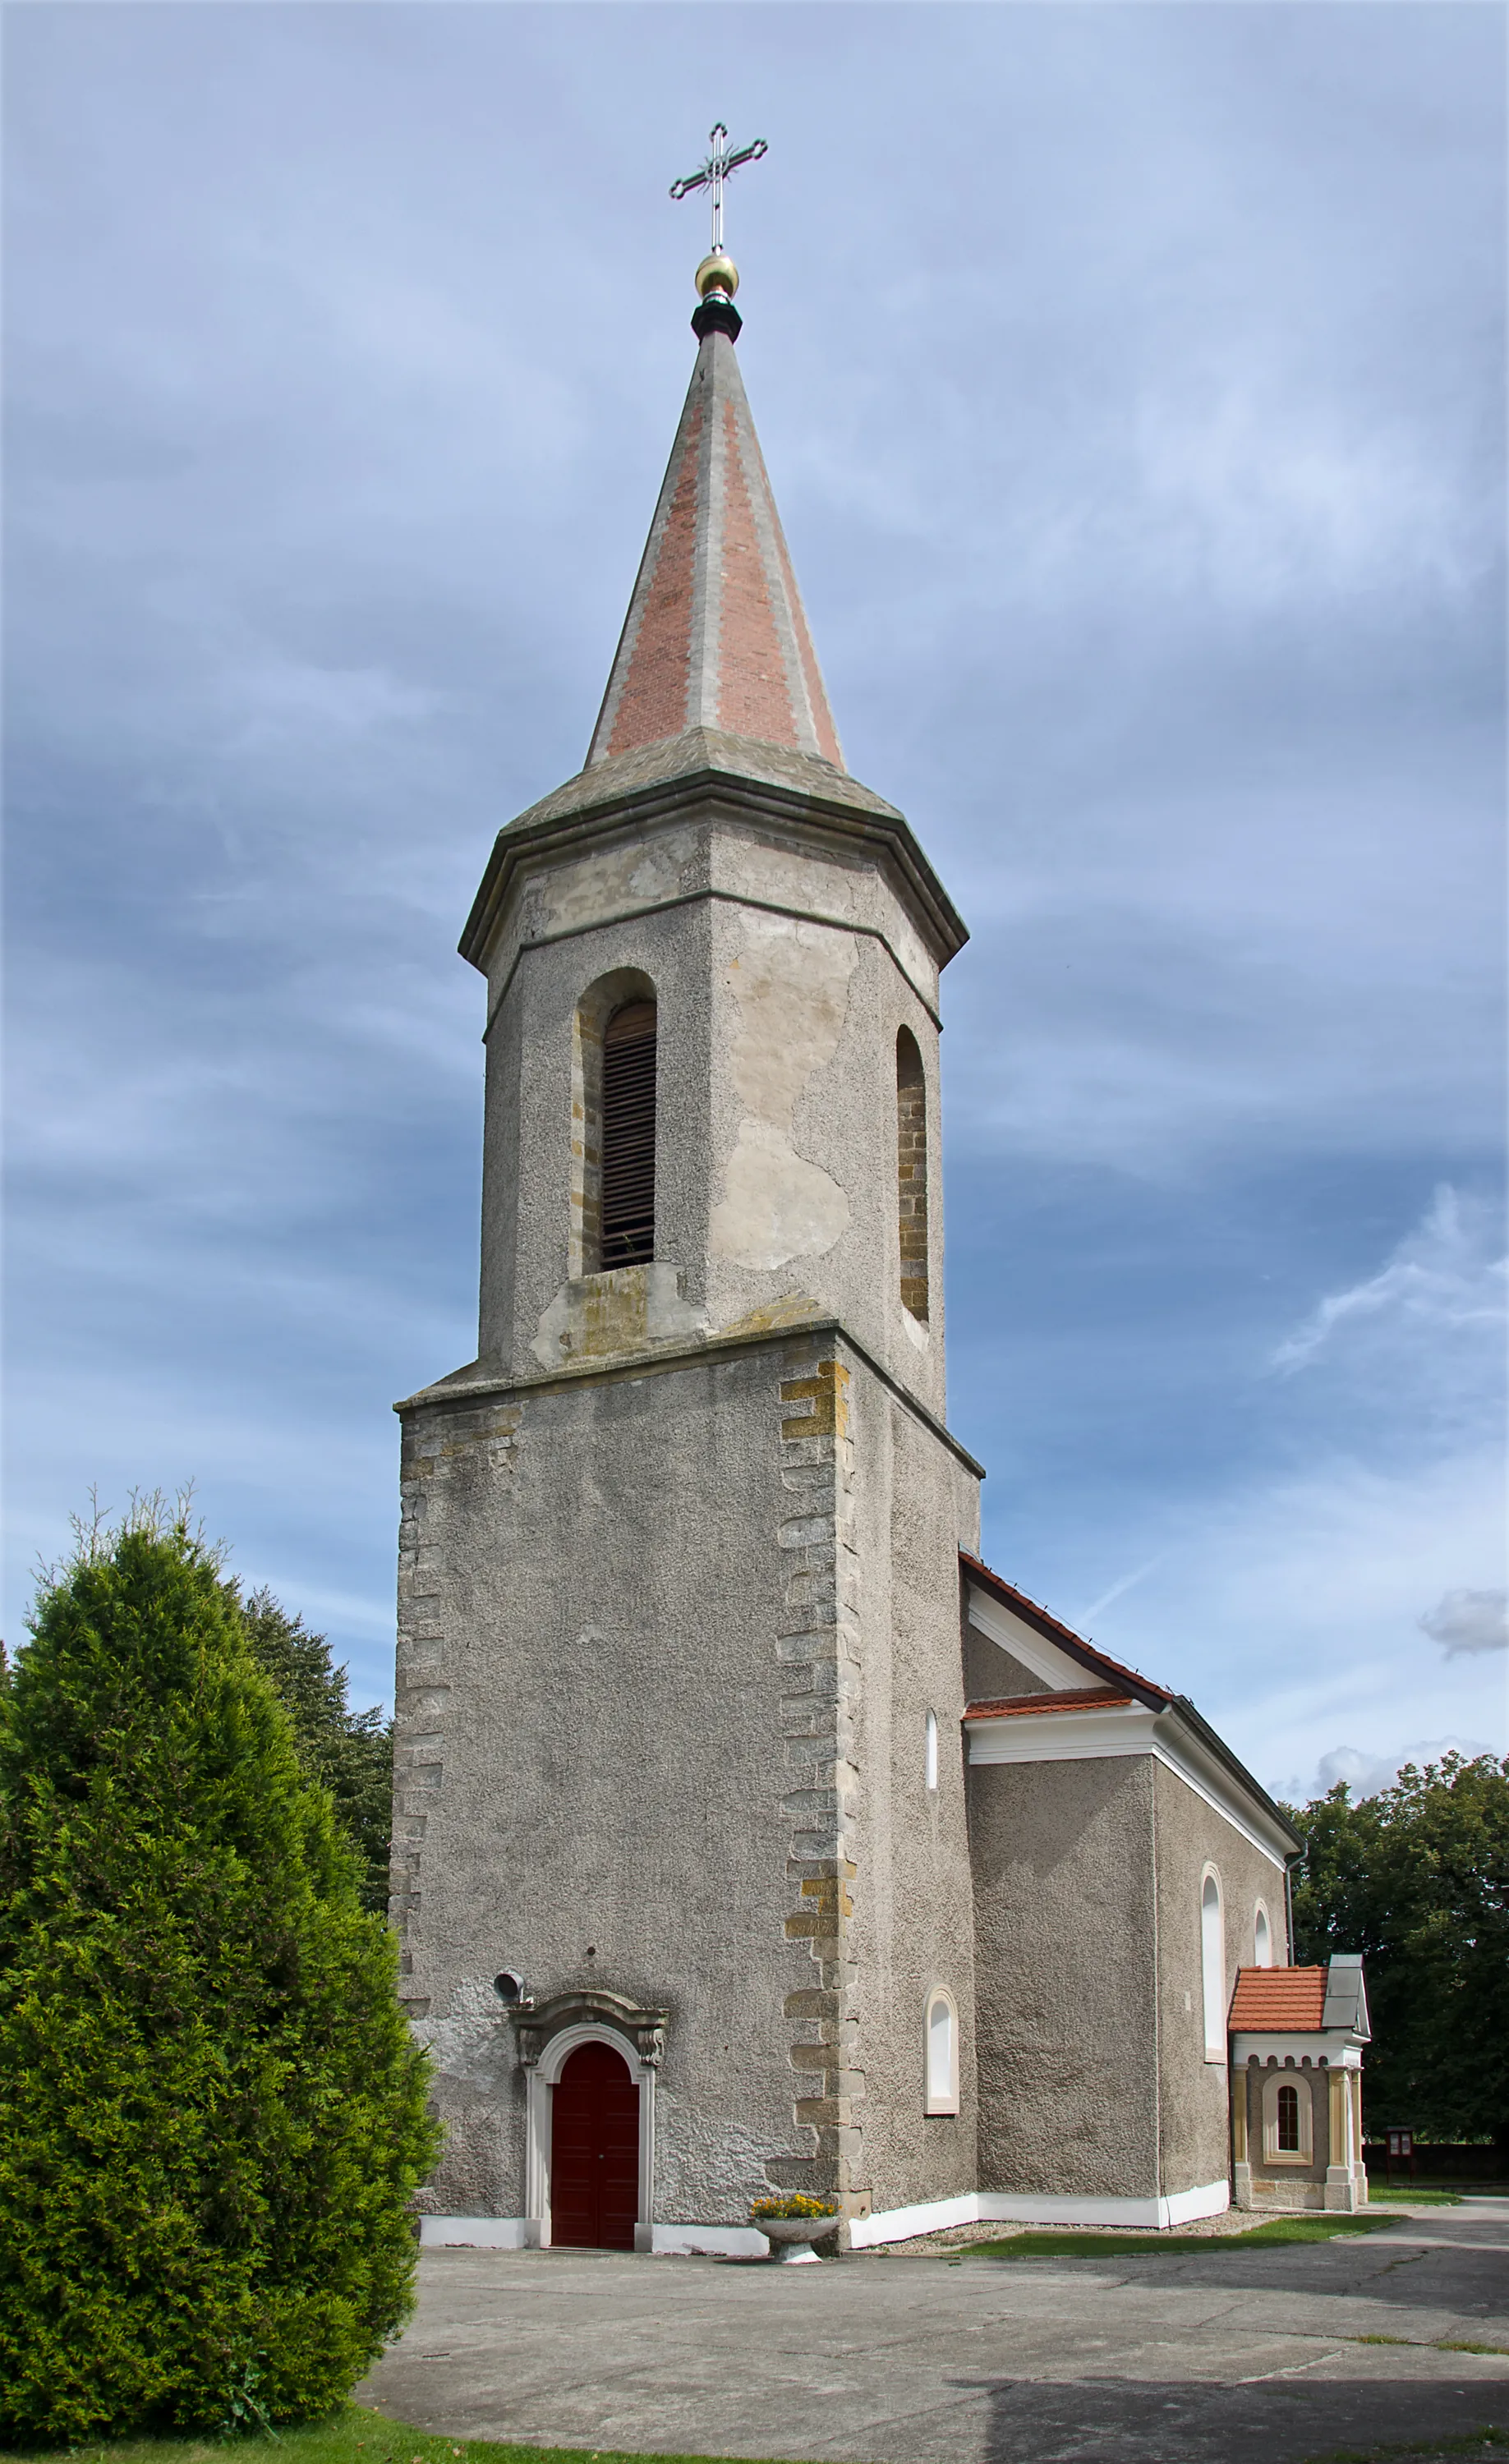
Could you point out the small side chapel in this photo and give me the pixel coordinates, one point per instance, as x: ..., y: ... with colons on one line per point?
x: 750, y: 1834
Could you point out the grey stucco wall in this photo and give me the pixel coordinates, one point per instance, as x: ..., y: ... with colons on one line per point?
x: 776, y: 1140
x: 646, y: 1684
x: 589, y: 1680
x: 1065, y: 1976
x: 913, y: 1925
x: 1195, y: 2146
x: 993, y: 1674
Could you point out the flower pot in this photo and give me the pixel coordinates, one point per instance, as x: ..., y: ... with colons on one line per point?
x: 790, y: 2237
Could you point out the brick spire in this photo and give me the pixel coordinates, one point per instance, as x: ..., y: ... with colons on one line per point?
x: 715, y: 636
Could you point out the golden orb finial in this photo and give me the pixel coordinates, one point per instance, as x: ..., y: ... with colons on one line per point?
x: 717, y: 273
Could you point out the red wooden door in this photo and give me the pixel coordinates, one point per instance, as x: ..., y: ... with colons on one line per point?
x: 595, y: 2152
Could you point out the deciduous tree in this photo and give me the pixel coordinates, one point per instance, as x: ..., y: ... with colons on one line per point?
x: 1417, y: 1878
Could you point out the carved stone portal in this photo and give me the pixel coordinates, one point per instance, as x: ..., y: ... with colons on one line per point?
x: 535, y: 2023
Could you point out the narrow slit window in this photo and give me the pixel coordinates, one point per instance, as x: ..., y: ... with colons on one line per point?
x: 930, y: 1750
x: 1288, y: 2133
x: 943, y: 2056
x: 911, y: 1172
x: 1262, y: 1943
x: 628, y: 1136
x: 1212, y: 1968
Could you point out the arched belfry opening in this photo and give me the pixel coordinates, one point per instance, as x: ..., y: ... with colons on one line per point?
x: 911, y: 1172
x: 613, y: 1124
x: 628, y: 1136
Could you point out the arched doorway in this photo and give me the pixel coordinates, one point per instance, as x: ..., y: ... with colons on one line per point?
x: 595, y: 2152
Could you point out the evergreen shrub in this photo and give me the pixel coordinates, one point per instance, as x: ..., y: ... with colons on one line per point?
x: 211, y: 2112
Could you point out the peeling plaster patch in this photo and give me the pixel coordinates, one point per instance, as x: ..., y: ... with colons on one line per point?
x: 473, y: 2043
x: 792, y: 1309
x: 617, y: 879
x: 791, y: 985
x: 774, y: 1206
x: 600, y: 1318
x: 707, y: 2166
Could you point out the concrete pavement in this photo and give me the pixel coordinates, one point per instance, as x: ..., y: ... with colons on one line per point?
x: 1228, y: 2356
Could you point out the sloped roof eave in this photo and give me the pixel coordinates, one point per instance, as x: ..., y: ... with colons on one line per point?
x: 1142, y: 1689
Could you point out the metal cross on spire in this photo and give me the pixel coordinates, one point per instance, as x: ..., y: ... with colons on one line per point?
x: 715, y: 171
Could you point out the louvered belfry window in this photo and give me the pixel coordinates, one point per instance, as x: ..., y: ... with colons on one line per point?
x: 628, y: 1136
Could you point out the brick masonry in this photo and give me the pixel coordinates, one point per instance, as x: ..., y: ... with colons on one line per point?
x: 716, y: 634
x: 911, y: 1174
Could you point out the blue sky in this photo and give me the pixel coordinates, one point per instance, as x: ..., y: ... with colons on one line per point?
x: 1131, y: 381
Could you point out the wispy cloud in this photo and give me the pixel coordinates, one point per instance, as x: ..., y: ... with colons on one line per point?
x: 1448, y: 1276
x: 1469, y: 1621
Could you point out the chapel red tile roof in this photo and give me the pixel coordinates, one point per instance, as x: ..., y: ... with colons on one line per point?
x: 716, y: 635
x: 1079, y: 1698
x: 1283, y: 2001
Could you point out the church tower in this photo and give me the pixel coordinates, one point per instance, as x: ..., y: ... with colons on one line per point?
x: 681, y: 1868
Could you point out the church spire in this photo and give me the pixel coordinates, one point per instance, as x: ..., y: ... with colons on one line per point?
x: 715, y: 636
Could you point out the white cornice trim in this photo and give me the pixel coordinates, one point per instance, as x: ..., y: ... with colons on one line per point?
x: 1057, y: 1669
x: 1313, y: 2045
x: 1092, y: 1735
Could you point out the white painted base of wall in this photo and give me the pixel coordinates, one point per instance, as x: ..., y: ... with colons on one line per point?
x: 892, y: 2224
x: 709, y: 2241
x: 522, y: 2233
x: 477, y: 2233
x: 902, y: 2224
x: 1000, y: 2206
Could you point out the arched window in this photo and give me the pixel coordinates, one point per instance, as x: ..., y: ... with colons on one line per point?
x: 1212, y: 1968
x: 911, y: 1172
x: 943, y: 2055
x: 628, y: 1136
x: 1289, y: 2118
x: 1262, y: 1939
x: 930, y: 1750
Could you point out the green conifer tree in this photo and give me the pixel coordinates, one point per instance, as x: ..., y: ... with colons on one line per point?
x: 211, y: 2112
x: 349, y: 1752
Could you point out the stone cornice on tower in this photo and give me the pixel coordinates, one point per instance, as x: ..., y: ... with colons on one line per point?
x: 741, y: 780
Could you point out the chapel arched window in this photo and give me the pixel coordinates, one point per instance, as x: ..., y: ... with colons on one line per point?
x: 1288, y: 2118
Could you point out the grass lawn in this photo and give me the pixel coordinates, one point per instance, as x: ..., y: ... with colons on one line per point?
x: 1378, y: 2191
x: 1150, y: 2245
x: 352, y: 2435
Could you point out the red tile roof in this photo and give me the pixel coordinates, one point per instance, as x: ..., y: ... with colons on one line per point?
x: 716, y: 634
x: 1283, y: 2001
x: 1082, y: 1698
